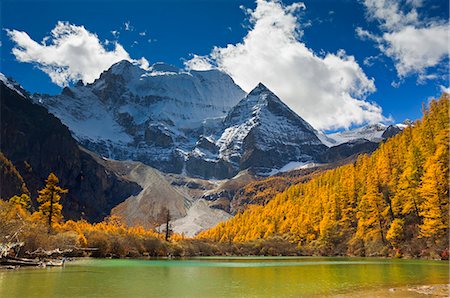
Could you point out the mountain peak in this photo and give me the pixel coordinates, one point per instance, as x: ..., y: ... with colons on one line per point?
x: 264, y: 133
x: 126, y: 69
x: 120, y: 66
x: 260, y: 88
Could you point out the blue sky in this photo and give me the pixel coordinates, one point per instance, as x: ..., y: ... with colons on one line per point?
x: 174, y: 30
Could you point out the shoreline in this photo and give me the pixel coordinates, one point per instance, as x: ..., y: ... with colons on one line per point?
x: 419, y: 290
x: 69, y: 259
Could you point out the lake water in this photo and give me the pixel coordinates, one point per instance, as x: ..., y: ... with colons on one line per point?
x: 226, y: 277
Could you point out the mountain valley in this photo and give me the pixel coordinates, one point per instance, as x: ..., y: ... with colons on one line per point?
x: 144, y: 142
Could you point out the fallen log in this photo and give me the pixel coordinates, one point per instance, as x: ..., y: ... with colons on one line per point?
x: 10, y: 267
x: 40, y: 252
x: 68, y: 252
x: 19, y: 262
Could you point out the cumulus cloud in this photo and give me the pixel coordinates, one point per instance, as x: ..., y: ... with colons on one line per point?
x: 69, y: 54
x: 327, y: 90
x: 199, y: 63
x: 416, y: 49
x: 415, y: 45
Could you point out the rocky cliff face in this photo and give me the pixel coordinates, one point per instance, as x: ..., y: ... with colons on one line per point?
x: 348, y: 149
x: 37, y: 143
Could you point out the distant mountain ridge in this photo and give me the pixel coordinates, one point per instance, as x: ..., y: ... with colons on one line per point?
x: 373, y: 132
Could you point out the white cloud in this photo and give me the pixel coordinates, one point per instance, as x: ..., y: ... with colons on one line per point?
x: 115, y: 33
x: 199, y: 63
x: 416, y: 49
x: 327, y: 90
x: 389, y: 14
x: 370, y: 60
x: 143, y: 63
x: 143, y: 33
x: 73, y: 53
x: 445, y: 89
x: 415, y: 45
x: 127, y: 26
x: 366, y: 35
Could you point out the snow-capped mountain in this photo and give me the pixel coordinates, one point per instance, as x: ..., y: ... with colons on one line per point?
x: 198, y: 123
x: 263, y: 133
x: 374, y: 133
x: 154, y: 116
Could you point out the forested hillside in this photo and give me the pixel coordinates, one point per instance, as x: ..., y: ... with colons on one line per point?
x: 393, y: 202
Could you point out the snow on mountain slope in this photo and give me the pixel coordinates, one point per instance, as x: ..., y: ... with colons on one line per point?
x: 292, y: 166
x: 374, y: 133
x: 87, y: 117
x: 199, y: 123
x: 196, y: 122
x: 154, y: 116
x: 370, y: 132
x: 263, y: 132
x: 169, y: 94
x: 12, y: 85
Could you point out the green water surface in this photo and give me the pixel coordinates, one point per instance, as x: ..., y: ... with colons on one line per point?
x: 225, y: 277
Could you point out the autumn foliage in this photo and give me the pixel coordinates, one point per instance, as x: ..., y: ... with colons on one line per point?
x: 45, y: 229
x: 49, y: 196
x: 393, y: 202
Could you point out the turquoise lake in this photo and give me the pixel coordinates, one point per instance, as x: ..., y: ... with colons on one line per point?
x: 227, y: 277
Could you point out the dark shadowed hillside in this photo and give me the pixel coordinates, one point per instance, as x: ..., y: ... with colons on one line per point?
x: 36, y: 143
